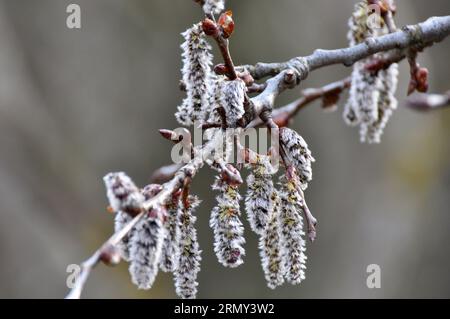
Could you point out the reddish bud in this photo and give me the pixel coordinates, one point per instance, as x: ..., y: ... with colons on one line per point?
x: 110, y: 255
x: 170, y: 135
x: 167, y: 134
x: 329, y: 101
x: 419, y: 81
x: 227, y: 23
x: 231, y: 175
x: 422, y: 80
x: 210, y: 28
x: 221, y: 69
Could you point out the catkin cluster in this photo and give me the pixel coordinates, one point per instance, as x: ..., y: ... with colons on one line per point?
x: 165, y: 238
x: 372, y: 98
x: 275, y: 213
x: 207, y: 92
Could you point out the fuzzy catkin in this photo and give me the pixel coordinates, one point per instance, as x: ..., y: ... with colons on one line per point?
x: 364, y: 96
x: 171, y: 247
x: 145, y: 251
x: 196, y: 74
x: 125, y: 198
x: 122, y: 193
x: 259, y: 191
x: 292, y: 234
x: 271, y: 247
x: 213, y: 6
x: 232, y: 100
x: 298, y: 154
x: 145, y: 243
x: 386, y: 106
x: 227, y: 227
x: 215, y: 103
x: 372, y: 94
x: 362, y: 104
x: 185, y: 275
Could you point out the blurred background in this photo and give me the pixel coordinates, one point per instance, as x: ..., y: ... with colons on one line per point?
x: 76, y: 104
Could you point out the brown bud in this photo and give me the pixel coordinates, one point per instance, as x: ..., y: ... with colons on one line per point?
x: 227, y: 23
x: 170, y: 135
x: 231, y: 175
x: 210, y: 28
x: 221, y: 69
x: 419, y: 81
x: 167, y: 134
x: 110, y: 255
x: 329, y: 101
x: 422, y: 80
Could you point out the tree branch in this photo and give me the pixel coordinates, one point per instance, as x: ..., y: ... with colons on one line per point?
x: 283, y: 115
x: 424, y: 34
x: 88, y: 265
x: 291, y: 73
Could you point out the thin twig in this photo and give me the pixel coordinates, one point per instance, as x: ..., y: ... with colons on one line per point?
x: 424, y: 34
x: 90, y: 263
x: 283, y: 115
x: 433, y: 30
